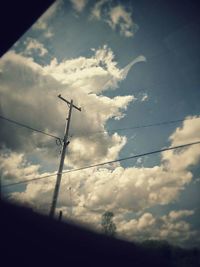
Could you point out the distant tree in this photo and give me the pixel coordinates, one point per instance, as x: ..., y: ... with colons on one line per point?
x: 109, y: 227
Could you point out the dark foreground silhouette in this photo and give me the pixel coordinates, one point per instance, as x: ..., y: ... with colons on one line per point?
x: 31, y: 239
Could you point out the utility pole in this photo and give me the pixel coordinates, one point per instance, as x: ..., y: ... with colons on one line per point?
x: 62, y: 158
x: 60, y: 216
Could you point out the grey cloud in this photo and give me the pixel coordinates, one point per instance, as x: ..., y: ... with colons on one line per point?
x: 29, y: 95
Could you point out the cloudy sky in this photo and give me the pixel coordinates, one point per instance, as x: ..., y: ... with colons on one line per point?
x: 125, y: 64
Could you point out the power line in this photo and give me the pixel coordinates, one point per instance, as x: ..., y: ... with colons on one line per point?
x: 96, y: 132
x: 141, y: 126
x: 28, y: 127
x: 29, y: 180
x: 104, y: 163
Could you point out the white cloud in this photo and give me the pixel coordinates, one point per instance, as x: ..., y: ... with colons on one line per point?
x: 43, y: 22
x: 145, y: 221
x: 34, y: 45
x: 177, y: 231
x: 175, y: 215
x: 48, y: 33
x: 12, y: 57
x: 187, y: 133
x: 197, y: 180
x: 32, y: 191
x: 116, y: 16
x: 93, y: 192
x: 126, y: 189
x: 95, y: 74
x: 129, y: 189
x: 96, y: 10
x: 145, y: 97
x: 22, y: 81
x: 122, y: 190
x: 119, y: 17
x: 14, y: 166
x: 73, y: 78
x: 79, y: 5
x: 116, y: 188
x: 139, y: 161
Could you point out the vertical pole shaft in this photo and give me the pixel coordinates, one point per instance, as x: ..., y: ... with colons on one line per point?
x: 62, y: 158
x: 60, y: 216
x: 70, y: 195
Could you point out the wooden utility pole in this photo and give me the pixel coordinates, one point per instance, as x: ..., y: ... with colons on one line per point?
x: 60, y: 216
x: 62, y: 158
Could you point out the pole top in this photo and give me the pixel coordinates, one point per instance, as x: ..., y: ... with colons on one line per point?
x: 65, y: 100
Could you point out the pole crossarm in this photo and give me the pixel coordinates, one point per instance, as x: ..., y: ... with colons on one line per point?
x: 65, y: 100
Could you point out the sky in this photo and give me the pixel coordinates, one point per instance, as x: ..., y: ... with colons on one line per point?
x: 125, y: 63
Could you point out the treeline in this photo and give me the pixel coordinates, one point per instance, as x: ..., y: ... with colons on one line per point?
x: 160, y: 251
x: 32, y: 239
x: 174, y: 256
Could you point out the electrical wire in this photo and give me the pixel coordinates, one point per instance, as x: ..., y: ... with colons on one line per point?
x: 104, y: 163
x: 140, y: 126
x: 29, y: 127
x: 96, y: 132
x: 29, y: 180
